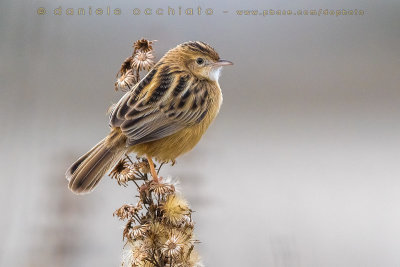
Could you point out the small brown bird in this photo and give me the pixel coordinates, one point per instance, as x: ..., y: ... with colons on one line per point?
x: 161, y: 117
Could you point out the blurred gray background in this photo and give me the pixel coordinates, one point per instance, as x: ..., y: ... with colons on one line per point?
x: 301, y: 168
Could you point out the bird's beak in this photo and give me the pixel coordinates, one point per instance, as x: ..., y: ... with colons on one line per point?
x: 223, y: 62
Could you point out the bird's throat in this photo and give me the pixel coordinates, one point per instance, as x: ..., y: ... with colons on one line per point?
x: 215, y: 73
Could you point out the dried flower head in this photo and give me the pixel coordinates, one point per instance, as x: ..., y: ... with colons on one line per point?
x: 161, y: 188
x: 143, y: 61
x: 125, y: 66
x: 143, y: 45
x: 138, y: 231
x: 156, y: 235
x: 174, y: 245
x: 128, y: 211
x: 125, y: 175
x: 126, y: 81
x: 121, y: 165
x: 175, y: 209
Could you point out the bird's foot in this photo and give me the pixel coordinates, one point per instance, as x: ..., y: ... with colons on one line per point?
x: 156, y: 179
x: 153, y: 170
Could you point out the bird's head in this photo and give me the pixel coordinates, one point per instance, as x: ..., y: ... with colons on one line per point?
x: 198, y: 58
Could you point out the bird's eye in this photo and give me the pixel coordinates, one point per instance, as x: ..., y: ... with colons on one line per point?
x: 199, y: 61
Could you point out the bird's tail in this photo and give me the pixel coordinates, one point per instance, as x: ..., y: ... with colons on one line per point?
x: 87, y: 171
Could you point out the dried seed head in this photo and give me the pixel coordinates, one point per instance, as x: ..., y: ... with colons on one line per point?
x: 159, y: 228
x: 138, y: 231
x: 143, y: 61
x: 126, y: 65
x: 125, y: 175
x: 156, y: 235
x: 127, y: 211
x: 143, y: 45
x: 162, y: 189
x: 174, y: 245
x: 175, y: 209
x: 126, y: 81
x: 121, y: 165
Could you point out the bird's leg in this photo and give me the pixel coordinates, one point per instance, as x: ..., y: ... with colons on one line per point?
x: 152, y: 169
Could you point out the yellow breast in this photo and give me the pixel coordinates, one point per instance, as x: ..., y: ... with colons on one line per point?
x: 170, y: 147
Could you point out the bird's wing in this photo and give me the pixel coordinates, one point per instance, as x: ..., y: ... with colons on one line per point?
x: 161, y: 104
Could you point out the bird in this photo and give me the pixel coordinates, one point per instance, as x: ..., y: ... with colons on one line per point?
x: 163, y: 116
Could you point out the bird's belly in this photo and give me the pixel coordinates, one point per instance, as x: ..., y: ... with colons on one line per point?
x: 170, y: 147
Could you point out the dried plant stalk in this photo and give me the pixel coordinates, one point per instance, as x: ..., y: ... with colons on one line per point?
x: 159, y: 227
